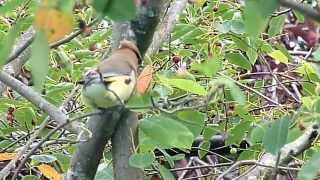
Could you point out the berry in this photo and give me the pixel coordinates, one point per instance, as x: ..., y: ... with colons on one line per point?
x: 176, y: 59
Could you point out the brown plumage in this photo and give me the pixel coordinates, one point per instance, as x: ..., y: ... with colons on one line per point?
x: 114, y: 81
x: 122, y: 61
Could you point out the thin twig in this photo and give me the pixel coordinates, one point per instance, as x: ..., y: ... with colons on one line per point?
x: 20, y: 50
x: 266, y: 73
x: 307, y: 11
x: 252, y: 162
x: 33, y: 97
x: 278, y: 81
x: 279, y: 13
x: 250, y: 89
x: 51, y: 133
x: 5, y: 171
x: 73, y: 35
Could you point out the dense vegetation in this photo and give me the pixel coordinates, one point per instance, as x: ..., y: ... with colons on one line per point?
x: 235, y: 85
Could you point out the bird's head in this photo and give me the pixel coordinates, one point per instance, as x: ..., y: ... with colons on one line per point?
x: 91, y: 76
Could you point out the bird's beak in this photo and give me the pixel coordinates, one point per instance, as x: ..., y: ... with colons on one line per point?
x: 90, y: 76
x: 81, y: 81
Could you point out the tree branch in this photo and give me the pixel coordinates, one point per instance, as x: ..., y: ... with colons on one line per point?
x: 167, y: 24
x: 307, y: 11
x: 34, y: 98
x: 87, y: 157
x: 289, y: 151
x: 21, y: 53
x: 88, y: 154
x: 123, y: 145
x: 142, y: 28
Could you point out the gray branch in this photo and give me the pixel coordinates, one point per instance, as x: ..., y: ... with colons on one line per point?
x: 88, y: 154
x: 123, y: 145
x: 34, y: 98
x: 289, y: 151
x: 167, y: 24
x: 14, y: 67
x: 89, y: 151
x: 307, y: 11
x: 141, y: 29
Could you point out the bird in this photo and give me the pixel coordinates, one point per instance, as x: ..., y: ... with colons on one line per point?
x: 113, y: 81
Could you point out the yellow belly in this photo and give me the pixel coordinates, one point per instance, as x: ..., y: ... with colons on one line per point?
x: 99, y: 96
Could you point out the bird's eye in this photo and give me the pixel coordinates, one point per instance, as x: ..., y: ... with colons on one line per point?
x: 127, y: 81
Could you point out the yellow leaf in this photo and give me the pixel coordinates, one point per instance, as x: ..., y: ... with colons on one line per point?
x: 56, y: 24
x: 7, y: 156
x: 200, y: 2
x: 144, y: 79
x: 279, y: 56
x: 49, y: 172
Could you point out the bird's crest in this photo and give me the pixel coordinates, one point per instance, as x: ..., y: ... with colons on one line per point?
x: 131, y: 45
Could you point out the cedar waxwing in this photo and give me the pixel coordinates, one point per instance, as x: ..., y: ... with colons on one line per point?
x: 114, y: 80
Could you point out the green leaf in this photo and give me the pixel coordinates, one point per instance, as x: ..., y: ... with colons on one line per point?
x: 193, y: 120
x: 39, y: 60
x: 9, y: 6
x: 279, y: 56
x: 167, y: 131
x: 63, y: 160
x: 311, y: 168
x: 165, y: 173
x: 256, y: 13
x: 300, y: 16
x: 210, y: 67
x: 235, y: 91
x: 284, y: 50
x: 115, y: 9
x: 65, y: 6
x: 104, y: 172
x: 257, y: 134
x: 224, y: 27
x: 64, y: 60
x: 100, y: 5
x: 187, y: 33
x: 205, y: 145
x: 252, y: 55
x: 146, y: 143
x: 141, y: 160
x: 25, y: 116
x: 30, y: 177
x: 276, y: 25
x: 184, y: 53
x: 293, y: 134
x: 121, y: 10
x: 6, y: 45
x: 316, y: 54
x: 237, y: 133
x: 237, y: 94
x: 43, y: 158
x: 241, y: 42
x: 184, y: 84
x: 239, y: 60
x: 208, y: 132
x: 237, y: 26
x: 276, y: 135
x: 254, y: 22
x: 143, y: 100
x: 251, y: 153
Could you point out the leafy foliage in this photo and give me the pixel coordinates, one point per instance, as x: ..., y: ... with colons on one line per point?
x: 223, y: 63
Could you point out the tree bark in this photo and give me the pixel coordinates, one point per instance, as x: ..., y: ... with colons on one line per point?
x: 124, y: 142
x: 88, y: 153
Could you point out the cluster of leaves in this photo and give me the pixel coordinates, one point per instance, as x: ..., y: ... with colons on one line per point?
x: 212, y: 46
